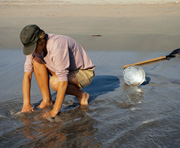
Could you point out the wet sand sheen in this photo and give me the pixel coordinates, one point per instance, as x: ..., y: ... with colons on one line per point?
x: 117, y: 115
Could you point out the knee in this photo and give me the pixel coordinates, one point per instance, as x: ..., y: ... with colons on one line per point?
x: 54, y: 82
x: 37, y: 61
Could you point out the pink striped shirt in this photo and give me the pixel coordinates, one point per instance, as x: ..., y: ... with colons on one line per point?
x: 64, y: 54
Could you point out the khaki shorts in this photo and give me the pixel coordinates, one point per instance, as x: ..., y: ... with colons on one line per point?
x: 84, y: 77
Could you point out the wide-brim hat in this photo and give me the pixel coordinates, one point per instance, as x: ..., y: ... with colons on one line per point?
x: 29, y: 37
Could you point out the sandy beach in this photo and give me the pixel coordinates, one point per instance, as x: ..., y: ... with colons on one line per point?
x: 121, y: 27
x: 118, y: 115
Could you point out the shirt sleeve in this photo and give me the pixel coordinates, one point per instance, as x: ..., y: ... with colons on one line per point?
x: 28, y: 65
x: 61, y: 61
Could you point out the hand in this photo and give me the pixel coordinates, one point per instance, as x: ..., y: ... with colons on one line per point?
x: 49, y: 115
x: 27, y: 108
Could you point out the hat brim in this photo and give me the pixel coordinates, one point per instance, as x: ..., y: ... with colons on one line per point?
x: 27, y: 50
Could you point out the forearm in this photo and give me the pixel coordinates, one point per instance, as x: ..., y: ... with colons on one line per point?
x: 26, y: 86
x: 59, y: 98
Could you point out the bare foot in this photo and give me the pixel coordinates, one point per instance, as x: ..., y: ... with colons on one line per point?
x: 45, y: 104
x: 83, y: 100
x: 27, y: 108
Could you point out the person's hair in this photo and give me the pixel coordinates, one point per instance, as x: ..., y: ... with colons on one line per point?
x: 42, y: 38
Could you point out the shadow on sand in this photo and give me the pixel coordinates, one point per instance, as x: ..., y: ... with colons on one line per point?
x: 102, y: 84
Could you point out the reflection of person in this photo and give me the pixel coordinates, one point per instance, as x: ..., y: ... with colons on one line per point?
x: 35, y: 132
x: 62, y: 58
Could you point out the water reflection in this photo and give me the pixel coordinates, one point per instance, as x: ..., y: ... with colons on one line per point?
x: 64, y: 131
x: 42, y: 133
x: 131, y: 96
x: 72, y: 127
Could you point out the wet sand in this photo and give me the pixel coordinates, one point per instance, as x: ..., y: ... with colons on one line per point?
x: 118, y: 115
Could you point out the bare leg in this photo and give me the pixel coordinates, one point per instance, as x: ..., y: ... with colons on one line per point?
x: 72, y: 88
x: 42, y: 78
x: 82, y: 96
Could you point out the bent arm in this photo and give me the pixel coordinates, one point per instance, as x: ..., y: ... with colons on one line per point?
x: 26, y: 86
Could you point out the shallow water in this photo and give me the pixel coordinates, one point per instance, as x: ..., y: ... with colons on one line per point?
x: 118, y: 115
